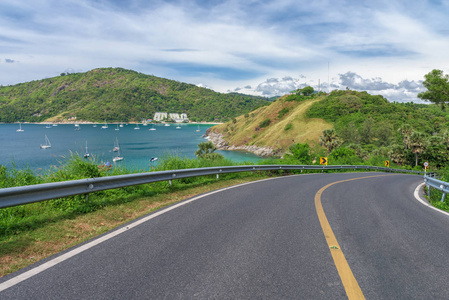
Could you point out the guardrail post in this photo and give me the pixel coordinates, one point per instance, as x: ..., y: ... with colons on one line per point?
x: 443, y: 197
x: 169, y: 182
x: 428, y: 190
x: 218, y: 176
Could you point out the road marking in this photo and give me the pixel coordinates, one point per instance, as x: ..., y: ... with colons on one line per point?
x: 47, y: 265
x: 350, y: 284
x: 425, y: 202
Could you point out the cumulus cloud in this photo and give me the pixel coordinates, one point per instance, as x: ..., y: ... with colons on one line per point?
x: 9, y: 61
x: 356, y: 82
x: 404, y: 91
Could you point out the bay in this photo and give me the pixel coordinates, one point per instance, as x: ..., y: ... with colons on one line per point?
x: 22, y: 149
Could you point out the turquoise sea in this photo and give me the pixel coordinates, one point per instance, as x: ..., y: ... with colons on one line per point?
x: 137, y: 146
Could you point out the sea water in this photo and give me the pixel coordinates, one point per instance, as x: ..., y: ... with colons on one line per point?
x: 22, y: 149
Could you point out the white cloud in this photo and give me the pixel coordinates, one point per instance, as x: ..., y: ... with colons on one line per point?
x: 404, y: 91
x: 228, y: 44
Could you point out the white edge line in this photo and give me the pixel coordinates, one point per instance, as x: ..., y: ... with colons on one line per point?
x: 28, y: 274
x: 425, y: 202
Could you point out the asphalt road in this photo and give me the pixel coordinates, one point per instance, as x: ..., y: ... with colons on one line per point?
x: 261, y: 241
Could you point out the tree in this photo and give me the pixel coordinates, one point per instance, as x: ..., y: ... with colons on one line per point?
x: 301, y: 152
x: 437, y: 85
x: 406, y: 130
x: 367, y: 131
x: 397, y: 154
x: 330, y: 140
x: 307, y: 91
x: 418, y: 142
x: 206, y: 151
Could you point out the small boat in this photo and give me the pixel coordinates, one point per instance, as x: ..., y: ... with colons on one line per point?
x: 47, y: 143
x: 153, y: 159
x: 77, y: 127
x: 178, y: 127
x: 116, y: 146
x: 95, y: 125
x: 20, y: 128
x: 121, y: 124
x: 54, y: 125
x: 105, y: 126
x: 198, y: 130
x: 118, y: 157
x: 117, y: 128
x: 167, y: 125
x: 48, y: 126
x: 152, y: 128
x: 86, y: 154
x: 137, y: 127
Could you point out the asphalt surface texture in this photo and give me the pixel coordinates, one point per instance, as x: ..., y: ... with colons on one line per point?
x: 263, y: 240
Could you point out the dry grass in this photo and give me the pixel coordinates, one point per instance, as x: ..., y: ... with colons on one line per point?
x: 246, y: 130
x: 27, y: 248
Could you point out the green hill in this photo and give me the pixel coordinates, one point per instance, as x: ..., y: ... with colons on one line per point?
x: 117, y: 94
x: 365, y: 126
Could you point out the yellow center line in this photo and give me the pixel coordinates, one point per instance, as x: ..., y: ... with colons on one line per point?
x: 350, y: 284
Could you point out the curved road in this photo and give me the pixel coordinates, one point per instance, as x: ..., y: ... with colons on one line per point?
x: 262, y: 240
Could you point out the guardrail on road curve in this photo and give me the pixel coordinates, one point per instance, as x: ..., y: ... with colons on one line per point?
x: 33, y: 193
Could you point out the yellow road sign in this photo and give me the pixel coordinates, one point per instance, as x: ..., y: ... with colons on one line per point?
x: 387, y: 163
x: 323, y: 161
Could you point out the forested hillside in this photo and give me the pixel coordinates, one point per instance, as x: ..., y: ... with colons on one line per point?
x: 354, y: 127
x: 117, y: 94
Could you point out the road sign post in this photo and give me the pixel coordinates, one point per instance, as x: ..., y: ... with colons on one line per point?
x: 426, y: 164
x: 387, y: 163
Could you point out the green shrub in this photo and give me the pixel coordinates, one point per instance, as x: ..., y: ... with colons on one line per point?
x: 288, y: 126
x: 265, y: 123
x: 282, y: 112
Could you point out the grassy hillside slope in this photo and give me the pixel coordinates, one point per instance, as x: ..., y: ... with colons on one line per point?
x: 288, y: 125
x: 116, y: 94
x: 365, y: 126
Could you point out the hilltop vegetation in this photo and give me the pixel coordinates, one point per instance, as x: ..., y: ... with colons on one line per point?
x: 278, y: 125
x: 116, y: 94
x: 348, y: 126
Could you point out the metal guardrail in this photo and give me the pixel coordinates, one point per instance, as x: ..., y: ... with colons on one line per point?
x: 432, y: 182
x: 33, y: 193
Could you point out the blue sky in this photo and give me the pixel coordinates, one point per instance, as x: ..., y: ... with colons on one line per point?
x: 256, y: 47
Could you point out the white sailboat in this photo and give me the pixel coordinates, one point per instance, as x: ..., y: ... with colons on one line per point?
x: 116, y: 146
x: 198, y: 130
x: 152, y: 128
x: 137, y: 127
x: 20, y: 128
x: 86, y: 154
x: 117, y: 128
x: 118, y: 157
x: 105, y: 126
x: 47, y: 143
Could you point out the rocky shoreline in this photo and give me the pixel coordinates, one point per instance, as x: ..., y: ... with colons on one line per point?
x: 219, y: 142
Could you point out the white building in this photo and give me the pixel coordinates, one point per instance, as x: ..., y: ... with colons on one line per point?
x: 178, y: 118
